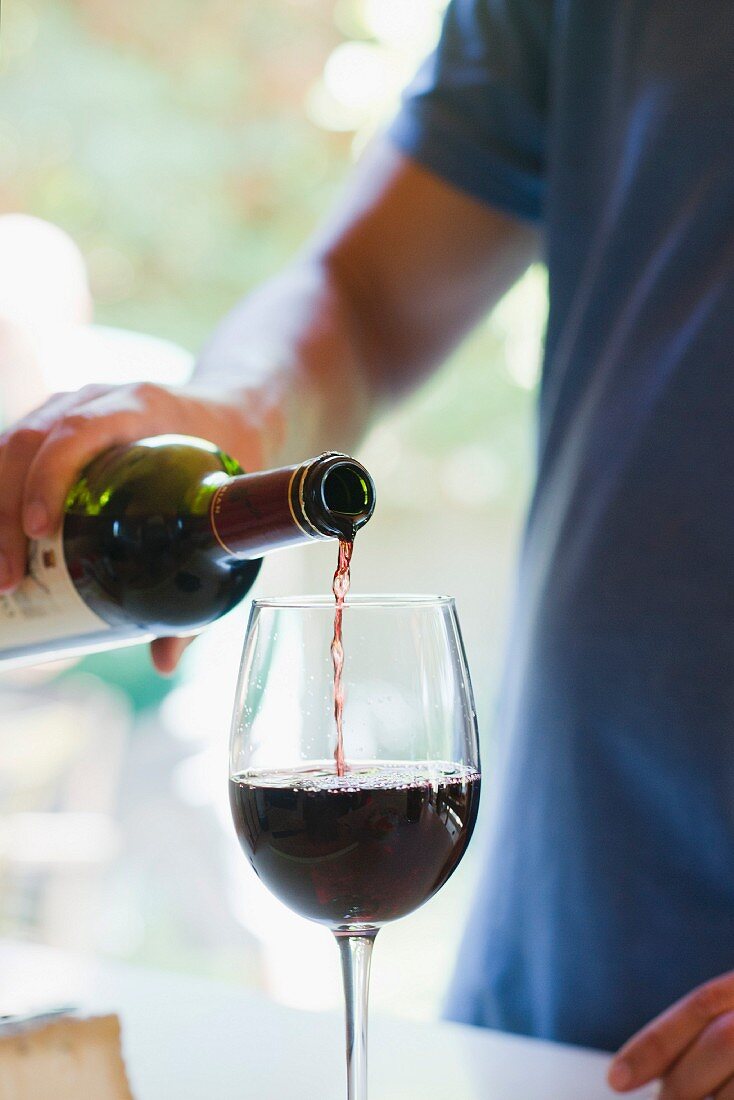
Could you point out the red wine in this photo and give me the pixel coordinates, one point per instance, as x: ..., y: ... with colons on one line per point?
x: 340, y: 588
x: 363, y: 848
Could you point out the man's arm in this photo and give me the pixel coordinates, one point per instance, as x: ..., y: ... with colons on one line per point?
x: 403, y: 268
x: 399, y: 273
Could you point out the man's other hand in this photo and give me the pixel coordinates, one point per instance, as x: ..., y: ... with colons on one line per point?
x: 689, y: 1047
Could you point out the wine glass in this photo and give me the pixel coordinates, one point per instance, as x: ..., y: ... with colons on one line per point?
x: 354, y: 851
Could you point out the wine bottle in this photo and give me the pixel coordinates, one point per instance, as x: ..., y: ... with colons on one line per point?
x: 162, y: 537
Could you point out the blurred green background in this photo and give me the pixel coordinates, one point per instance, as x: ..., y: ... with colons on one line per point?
x: 188, y: 148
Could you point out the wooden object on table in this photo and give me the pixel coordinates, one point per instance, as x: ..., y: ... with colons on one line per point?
x: 62, y: 1057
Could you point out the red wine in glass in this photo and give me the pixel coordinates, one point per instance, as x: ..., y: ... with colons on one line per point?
x: 359, y: 849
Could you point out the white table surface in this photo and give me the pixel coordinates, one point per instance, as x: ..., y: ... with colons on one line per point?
x: 199, y: 1040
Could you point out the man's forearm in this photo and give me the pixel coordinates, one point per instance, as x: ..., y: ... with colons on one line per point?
x: 401, y: 270
x: 291, y: 356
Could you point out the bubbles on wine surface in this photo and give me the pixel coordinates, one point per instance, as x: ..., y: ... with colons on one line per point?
x: 364, y: 776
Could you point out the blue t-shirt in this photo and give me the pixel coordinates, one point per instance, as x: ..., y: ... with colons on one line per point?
x: 608, y: 889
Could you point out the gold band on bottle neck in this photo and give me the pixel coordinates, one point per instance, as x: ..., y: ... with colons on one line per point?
x: 311, y: 531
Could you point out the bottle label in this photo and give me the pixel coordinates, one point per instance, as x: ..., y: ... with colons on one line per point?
x: 45, y: 606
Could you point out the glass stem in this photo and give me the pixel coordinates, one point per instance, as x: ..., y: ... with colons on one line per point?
x: 356, y: 955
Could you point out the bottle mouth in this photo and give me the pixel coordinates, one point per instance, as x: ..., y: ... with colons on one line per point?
x: 345, y: 491
x: 338, y: 496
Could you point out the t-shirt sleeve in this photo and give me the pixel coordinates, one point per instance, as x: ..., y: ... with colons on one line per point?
x: 476, y: 113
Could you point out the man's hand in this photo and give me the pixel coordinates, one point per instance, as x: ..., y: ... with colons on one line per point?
x: 689, y: 1047
x: 42, y: 455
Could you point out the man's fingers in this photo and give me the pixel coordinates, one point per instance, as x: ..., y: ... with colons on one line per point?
x: 706, y: 1065
x: 101, y: 417
x: 650, y: 1052
x: 68, y: 447
x: 166, y: 653
x: 19, y: 446
x: 15, y: 457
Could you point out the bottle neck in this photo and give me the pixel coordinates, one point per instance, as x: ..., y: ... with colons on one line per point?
x: 327, y: 497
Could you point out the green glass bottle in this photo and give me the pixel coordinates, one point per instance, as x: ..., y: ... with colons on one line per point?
x: 165, y: 535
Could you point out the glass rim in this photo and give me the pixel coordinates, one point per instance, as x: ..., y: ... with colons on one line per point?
x: 365, y: 600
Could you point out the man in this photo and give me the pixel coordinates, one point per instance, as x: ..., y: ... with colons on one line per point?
x: 600, y: 136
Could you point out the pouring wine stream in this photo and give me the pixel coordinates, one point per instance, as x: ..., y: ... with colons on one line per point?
x: 340, y: 588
